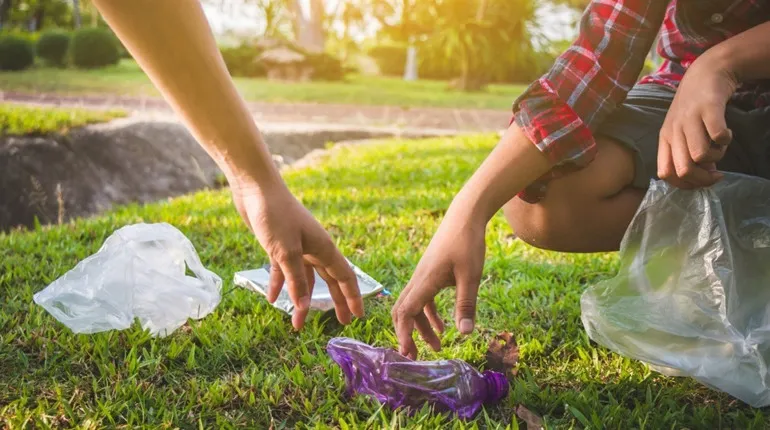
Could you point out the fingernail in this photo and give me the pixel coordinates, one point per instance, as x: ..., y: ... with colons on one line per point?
x: 304, y: 302
x: 466, y: 325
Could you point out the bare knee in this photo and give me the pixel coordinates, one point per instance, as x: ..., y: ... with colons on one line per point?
x: 543, y: 226
x: 586, y: 211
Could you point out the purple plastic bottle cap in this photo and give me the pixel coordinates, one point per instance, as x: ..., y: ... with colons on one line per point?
x: 498, y: 386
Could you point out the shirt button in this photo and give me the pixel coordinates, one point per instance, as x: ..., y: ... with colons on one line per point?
x: 717, y: 18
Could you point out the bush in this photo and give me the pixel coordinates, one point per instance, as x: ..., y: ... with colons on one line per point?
x: 390, y: 59
x: 326, y: 67
x: 93, y: 48
x: 26, y: 35
x: 16, y: 53
x: 53, y: 46
x: 242, y: 61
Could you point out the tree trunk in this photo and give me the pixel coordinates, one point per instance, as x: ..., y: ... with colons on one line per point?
x: 308, y: 33
x: 39, y: 17
x: 76, y: 12
x: 5, y: 7
x: 467, y: 82
x: 410, y: 68
x: 481, y: 11
x: 94, y: 15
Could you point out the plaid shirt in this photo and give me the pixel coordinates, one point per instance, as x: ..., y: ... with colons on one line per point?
x: 560, y: 112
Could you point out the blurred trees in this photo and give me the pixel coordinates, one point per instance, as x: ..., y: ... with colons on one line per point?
x: 470, y: 42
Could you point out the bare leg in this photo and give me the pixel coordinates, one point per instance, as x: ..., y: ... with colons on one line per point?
x: 585, y: 211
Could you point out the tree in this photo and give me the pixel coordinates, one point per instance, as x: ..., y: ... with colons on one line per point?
x: 308, y: 32
x: 35, y: 14
x: 5, y: 10
x: 481, y: 45
x: 76, y: 12
x: 580, y: 5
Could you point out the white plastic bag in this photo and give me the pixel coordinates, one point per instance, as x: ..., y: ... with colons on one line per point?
x: 139, y: 272
x: 692, y: 297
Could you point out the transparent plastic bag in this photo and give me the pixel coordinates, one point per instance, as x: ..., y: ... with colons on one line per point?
x: 692, y: 296
x: 139, y: 272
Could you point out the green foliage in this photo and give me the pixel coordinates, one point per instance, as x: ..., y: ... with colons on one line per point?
x: 326, y: 67
x: 16, y: 53
x: 93, y: 48
x: 390, y: 58
x: 579, y: 5
x: 127, y: 79
x: 648, y: 68
x: 53, y: 47
x: 31, y: 36
x: 243, y: 60
x: 19, y: 120
x: 45, y: 13
x: 243, y: 366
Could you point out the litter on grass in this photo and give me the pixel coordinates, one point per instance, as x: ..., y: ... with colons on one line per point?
x: 140, y: 272
x: 321, y: 301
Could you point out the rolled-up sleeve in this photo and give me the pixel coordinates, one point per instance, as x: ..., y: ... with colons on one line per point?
x: 561, y: 111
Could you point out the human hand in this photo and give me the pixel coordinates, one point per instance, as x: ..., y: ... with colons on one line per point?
x: 454, y: 257
x: 694, y: 136
x: 296, y: 244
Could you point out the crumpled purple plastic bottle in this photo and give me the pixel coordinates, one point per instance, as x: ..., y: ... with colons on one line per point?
x: 447, y: 385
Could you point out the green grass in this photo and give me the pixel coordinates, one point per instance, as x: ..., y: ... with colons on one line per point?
x: 17, y: 120
x: 243, y: 366
x: 128, y: 80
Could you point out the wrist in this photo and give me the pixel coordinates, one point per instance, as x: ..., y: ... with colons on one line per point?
x: 467, y: 211
x: 721, y: 61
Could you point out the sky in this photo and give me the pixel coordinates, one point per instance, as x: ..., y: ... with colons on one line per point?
x: 556, y: 22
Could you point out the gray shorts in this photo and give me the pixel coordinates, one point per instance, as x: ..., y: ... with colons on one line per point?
x: 637, y: 123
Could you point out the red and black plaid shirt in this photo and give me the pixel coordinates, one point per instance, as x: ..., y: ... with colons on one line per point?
x: 561, y: 111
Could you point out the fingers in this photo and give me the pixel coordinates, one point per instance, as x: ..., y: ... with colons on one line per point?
x: 716, y: 127
x: 408, y: 314
x: 465, y: 305
x: 340, y: 305
x: 435, y: 319
x: 404, y: 327
x: 689, y: 149
x: 699, y: 145
x: 685, y: 167
x: 276, y: 281
x: 324, y: 254
x: 426, y: 331
x: 666, y: 170
x: 341, y: 271
x: 293, y: 268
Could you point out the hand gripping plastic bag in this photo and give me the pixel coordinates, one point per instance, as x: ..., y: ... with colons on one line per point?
x: 139, y: 272
x: 692, y: 296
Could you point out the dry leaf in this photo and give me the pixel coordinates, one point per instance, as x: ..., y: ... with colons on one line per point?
x: 503, y: 354
x: 531, y: 419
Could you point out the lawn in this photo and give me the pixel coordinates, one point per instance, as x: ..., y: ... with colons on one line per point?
x: 243, y: 366
x: 127, y: 79
x: 20, y: 120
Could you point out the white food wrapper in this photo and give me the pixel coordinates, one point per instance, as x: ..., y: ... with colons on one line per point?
x: 321, y: 301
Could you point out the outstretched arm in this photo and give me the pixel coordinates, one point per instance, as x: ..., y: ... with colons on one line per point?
x: 552, y: 131
x: 173, y: 43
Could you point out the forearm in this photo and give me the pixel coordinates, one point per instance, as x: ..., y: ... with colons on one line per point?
x: 512, y: 166
x: 745, y: 56
x: 173, y: 43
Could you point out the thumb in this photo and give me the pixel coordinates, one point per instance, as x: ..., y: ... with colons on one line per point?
x: 465, y: 305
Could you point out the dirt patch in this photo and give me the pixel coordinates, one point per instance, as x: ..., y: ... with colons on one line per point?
x: 468, y: 120
x: 92, y: 169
